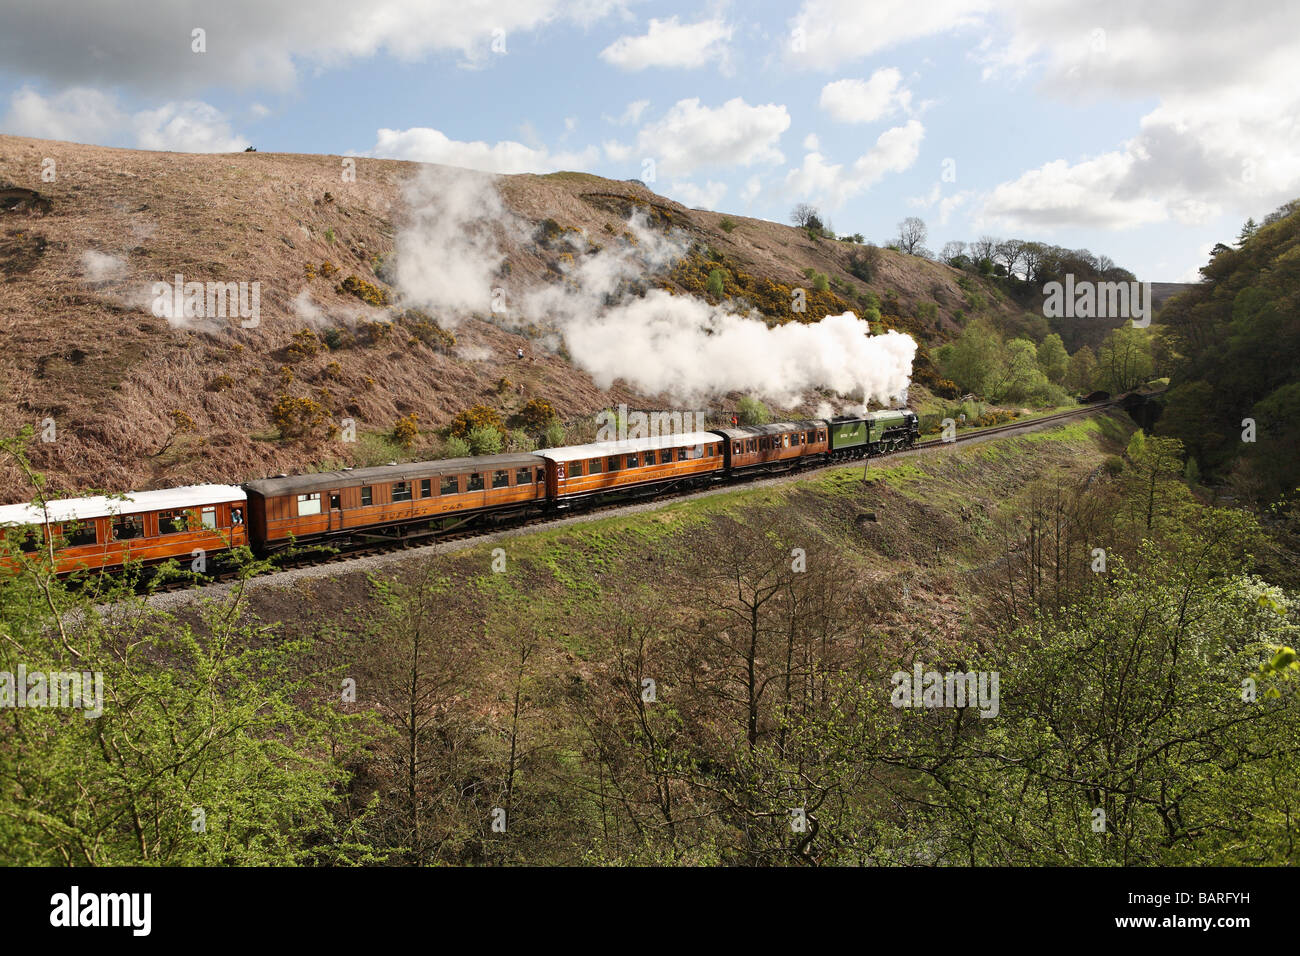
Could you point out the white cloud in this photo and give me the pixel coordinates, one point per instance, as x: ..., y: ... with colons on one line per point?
x: 818, y: 181
x: 827, y: 33
x: 705, y: 197
x: 1221, y: 138
x: 811, y: 143
x: 91, y: 116
x: 631, y: 113
x: 190, y: 127
x: 425, y: 145
x: 865, y: 101
x: 615, y: 151
x: 669, y: 43
x: 734, y: 134
x: 749, y: 192
x: 252, y: 43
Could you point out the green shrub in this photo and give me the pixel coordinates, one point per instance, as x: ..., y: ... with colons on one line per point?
x: 717, y: 279
x: 751, y: 411
x: 455, y: 447
x: 484, y: 440
x: 553, y: 437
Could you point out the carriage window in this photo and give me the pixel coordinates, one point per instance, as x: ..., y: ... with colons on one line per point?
x: 208, y: 519
x: 80, y: 533
x: 593, y: 466
x: 450, y: 485
x: 170, y: 522
x: 614, y: 463
x: 426, y: 487
x: 812, y: 437
x: 476, y: 482
x: 575, y: 469
x: 28, y: 541
x: 736, y: 448
x: 367, y: 498
x: 402, y: 491
x: 126, y: 527
x: 665, y: 456
x: 308, y: 505
x: 336, y: 502
x: 501, y: 479
x: 522, y: 476
x: 541, y: 474
x: 749, y: 445
x: 697, y: 451
x: 631, y: 461
x: 236, y: 516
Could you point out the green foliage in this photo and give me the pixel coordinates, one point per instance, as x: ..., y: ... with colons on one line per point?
x: 717, y: 281
x: 1124, y: 360
x: 751, y: 411
x: 1081, y: 370
x: 484, y: 440
x: 1236, y: 346
x: 455, y: 447
x: 553, y: 436
x: 1053, y: 360
x: 726, y: 224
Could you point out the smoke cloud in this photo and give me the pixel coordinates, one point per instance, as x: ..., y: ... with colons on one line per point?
x: 449, y: 258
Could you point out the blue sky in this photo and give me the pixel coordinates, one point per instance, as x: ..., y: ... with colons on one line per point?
x: 1143, y: 131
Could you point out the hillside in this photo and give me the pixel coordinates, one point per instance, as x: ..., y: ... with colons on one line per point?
x: 1237, y: 344
x: 139, y: 401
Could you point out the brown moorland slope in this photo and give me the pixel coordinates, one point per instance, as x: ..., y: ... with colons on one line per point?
x: 138, y: 402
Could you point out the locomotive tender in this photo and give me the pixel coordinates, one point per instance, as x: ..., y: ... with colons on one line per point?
x: 425, y: 499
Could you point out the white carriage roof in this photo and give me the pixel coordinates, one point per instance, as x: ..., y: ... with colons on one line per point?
x: 631, y: 445
x: 137, y: 502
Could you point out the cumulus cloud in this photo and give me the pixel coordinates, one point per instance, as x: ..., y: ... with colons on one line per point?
x: 631, y: 113
x: 1221, y: 138
x: 865, y: 101
x: 690, y: 135
x: 707, y: 196
x: 669, y: 43
x: 820, y: 181
x: 252, y: 43
x: 425, y: 145
x: 827, y: 33
x: 90, y: 116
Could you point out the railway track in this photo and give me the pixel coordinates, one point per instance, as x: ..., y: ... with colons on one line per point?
x: 317, y: 556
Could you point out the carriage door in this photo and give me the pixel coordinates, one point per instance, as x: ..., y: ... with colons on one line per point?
x: 336, y: 511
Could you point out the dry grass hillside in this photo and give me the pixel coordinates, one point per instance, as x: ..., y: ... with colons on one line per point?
x: 138, y: 402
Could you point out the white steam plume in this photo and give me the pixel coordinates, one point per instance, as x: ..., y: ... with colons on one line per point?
x: 449, y: 259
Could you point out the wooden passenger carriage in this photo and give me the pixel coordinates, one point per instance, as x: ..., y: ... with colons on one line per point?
x: 766, y: 447
x: 148, y: 527
x: 634, y: 465
x: 393, y: 500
